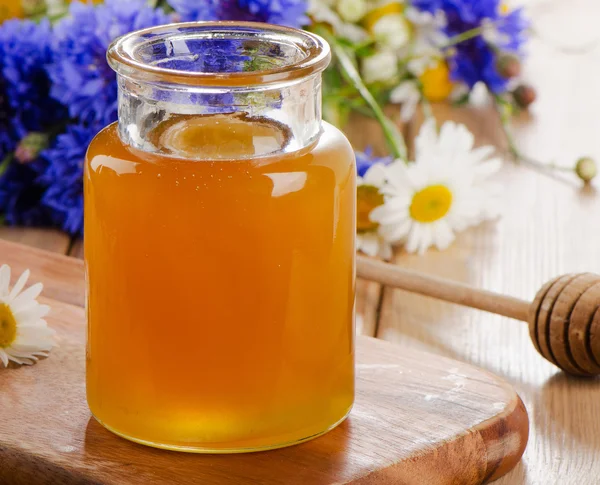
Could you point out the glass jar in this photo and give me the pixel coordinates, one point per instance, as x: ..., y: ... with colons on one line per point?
x: 219, y: 243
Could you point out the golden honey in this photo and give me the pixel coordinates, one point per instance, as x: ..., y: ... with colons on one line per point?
x: 220, y: 284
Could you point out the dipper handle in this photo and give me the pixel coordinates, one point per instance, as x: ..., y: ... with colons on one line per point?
x: 442, y: 289
x: 564, y: 318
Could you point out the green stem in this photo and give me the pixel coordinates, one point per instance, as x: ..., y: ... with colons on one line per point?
x: 519, y: 157
x: 463, y: 36
x: 6, y: 162
x: 426, y: 106
x: 468, y: 34
x: 392, y: 135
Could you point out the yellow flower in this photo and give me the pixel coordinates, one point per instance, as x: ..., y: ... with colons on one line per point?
x: 10, y: 9
x: 377, y: 13
x: 436, y: 82
x: 369, y: 196
x: 389, y: 26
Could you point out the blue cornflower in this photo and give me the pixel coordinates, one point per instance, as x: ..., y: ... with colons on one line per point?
x: 192, y: 10
x: 25, y: 106
x: 63, y: 176
x: 20, y: 196
x: 283, y: 12
x: 475, y: 60
x: 81, y: 77
x: 25, y: 48
x: 365, y: 160
x: 7, y: 141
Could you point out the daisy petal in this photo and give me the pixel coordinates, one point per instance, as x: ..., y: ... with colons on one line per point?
x: 375, y: 176
x: 32, y: 313
x: 26, y: 296
x: 442, y: 236
x: 369, y: 244
x: 384, y: 215
x: 385, y: 251
x: 19, y: 285
x: 398, y: 232
x: 4, y: 280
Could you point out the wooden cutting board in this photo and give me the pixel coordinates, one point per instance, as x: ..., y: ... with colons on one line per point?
x: 418, y: 418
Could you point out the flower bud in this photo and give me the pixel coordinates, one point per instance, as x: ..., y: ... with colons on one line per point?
x: 586, y: 169
x: 30, y: 146
x: 508, y: 66
x: 352, y: 10
x: 524, y: 95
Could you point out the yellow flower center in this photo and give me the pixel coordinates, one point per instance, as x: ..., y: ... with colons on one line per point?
x: 431, y: 204
x: 377, y: 13
x: 368, y: 197
x: 8, y: 326
x: 436, y: 82
x: 504, y: 8
x: 10, y: 9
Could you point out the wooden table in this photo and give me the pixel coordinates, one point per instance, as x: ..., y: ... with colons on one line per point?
x: 549, y: 227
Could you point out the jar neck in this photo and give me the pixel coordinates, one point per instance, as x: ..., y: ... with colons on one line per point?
x: 294, y: 105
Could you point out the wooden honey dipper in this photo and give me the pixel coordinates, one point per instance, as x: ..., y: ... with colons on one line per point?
x: 564, y: 317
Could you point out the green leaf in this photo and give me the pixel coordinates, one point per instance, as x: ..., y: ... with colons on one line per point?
x: 393, y: 136
x: 6, y: 162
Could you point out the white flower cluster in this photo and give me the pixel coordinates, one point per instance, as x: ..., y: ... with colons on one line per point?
x: 406, y: 41
x: 425, y: 203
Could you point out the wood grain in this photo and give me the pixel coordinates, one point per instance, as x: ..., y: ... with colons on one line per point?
x: 62, y: 276
x: 48, y: 239
x: 76, y: 249
x: 368, y: 301
x: 560, y: 318
x: 418, y: 419
x: 548, y: 228
x: 365, y: 133
x: 395, y: 276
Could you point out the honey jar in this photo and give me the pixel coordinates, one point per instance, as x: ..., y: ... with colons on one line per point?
x: 219, y: 243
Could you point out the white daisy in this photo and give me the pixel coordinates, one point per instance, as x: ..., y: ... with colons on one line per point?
x: 429, y: 26
x: 407, y: 94
x: 428, y: 38
x: 392, y: 31
x: 381, y: 66
x: 322, y: 11
x: 444, y: 191
x: 368, y: 238
x: 24, y: 335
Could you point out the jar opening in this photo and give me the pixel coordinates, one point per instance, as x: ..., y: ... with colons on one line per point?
x: 219, y: 54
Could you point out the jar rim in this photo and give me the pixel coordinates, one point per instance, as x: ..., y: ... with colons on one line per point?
x: 123, y: 53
